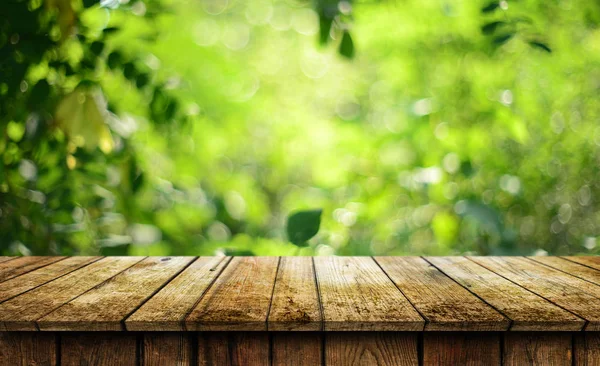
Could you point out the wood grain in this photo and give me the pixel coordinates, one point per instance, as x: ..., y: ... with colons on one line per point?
x: 528, y: 312
x: 233, y: 349
x: 297, y: 348
x: 240, y: 297
x: 572, y: 268
x: 97, y: 310
x: 571, y: 293
x: 593, y: 262
x: 27, y: 348
x: 18, y: 266
x: 167, y: 349
x: 101, y: 349
x: 166, y: 311
x: 543, y: 349
x: 357, y: 295
x: 27, y: 281
x: 21, y: 312
x: 371, y: 348
x: 445, y: 304
x: 4, y: 259
x: 586, y: 349
x: 295, y: 303
x: 469, y: 349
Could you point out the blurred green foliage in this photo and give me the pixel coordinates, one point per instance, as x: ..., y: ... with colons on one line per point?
x: 196, y: 127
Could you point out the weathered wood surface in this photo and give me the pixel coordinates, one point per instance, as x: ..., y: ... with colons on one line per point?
x: 167, y: 309
x: 528, y: 311
x: 300, y: 294
x: 295, y: 303
x: 569, y: 292
x: 105, y: 306
x: 240, y: 297
x: 538, y: 349
x: 357, y: 295
x: 464, y: 348
x: 371, y: 348
x: 445, y: 304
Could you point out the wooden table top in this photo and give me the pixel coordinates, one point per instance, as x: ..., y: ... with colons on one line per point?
x: 300, y: 293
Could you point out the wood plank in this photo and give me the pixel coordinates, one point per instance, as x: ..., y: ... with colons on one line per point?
x: 528, y: 312
x: 27, y: 348
x: 445, y: 304
x: 166, y: 311
x: 167, y: 349
x: 590, y: 261
x: 21, y: 312
x: 297, y: 348
x: 357, y: 295
x: 537, y: 349
x: 100, y: 310
x: 586, y: 349
x: 240, y: 348
x: 572, y: 268
x: 295, y: 304
x: 568, y: 292
x: 461, y: 349
x: 98, y: 349
x: 30, y: 280
x: 240, y: 297
x: 20, y: 265
x: 5, y: 259
x: 371, y: 348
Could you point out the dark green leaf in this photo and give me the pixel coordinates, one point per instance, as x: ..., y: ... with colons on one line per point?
x: 110, y: 30
x: 114, y: 60
x: 303, y: 225
x: 142, y: 80
x: 490, y: 28
x: 39, y: 94
x: 503, y: 38
x: 347, y: 46
x: 324, y: 28
x: 129, y: 71
x: 540, y: 45
x: 96, y: 47
x: 89, y: 3
x: 490, y: 7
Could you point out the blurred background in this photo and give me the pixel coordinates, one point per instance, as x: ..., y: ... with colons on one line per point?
x: 196, y: 127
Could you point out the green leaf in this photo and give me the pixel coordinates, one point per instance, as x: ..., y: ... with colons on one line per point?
x: 540, y: 45
x: 89, y: 3
x: 490, y: 28
x: 490, y: 7
x: 303, y: 225
x: 503, y: 38
x: 324, y: 28
x: 347, y: 46
x: 114, y: 60
x: 96, y: 47
x: 110, y: 30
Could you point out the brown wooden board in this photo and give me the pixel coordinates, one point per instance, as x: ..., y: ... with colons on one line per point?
x: 27, y: 348
x: 233, y: 349
x: 297, y: 348
x: 40, y: 276
x: 593, y: 262
x: 527, y: 311
x: 472, y: 348
x: 20, y: 265
x: 167, y: 309
x: 98, y: 348
x: 371, y: 348
x: 21, y: 312
x: 445, y: 304
x: 569, y: 292
x: 572, y: 268
x: 98, y: 310
x: 586, y: 349
x: 357, y: 295
x: 295, y: 303
x: 167, y: 349
x: 4, y: 259
x: 524, y: 348
x: 239, y: 299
